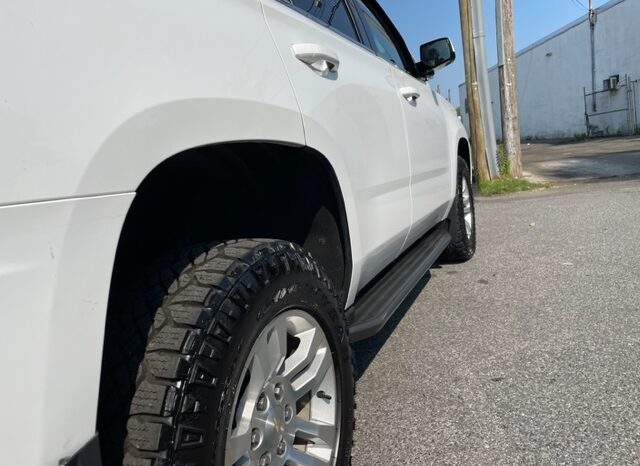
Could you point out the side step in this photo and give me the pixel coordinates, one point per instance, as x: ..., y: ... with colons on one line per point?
x: 376, y: 305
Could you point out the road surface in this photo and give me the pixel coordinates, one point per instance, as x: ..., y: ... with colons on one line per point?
x: 529, y: 354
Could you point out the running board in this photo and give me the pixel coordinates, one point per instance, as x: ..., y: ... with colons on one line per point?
x: 376, y: 305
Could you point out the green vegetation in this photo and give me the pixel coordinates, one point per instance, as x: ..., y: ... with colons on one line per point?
x: 507, y: 184
x: 579, y: 137
x: 636, y: 131
x: 503, y: 161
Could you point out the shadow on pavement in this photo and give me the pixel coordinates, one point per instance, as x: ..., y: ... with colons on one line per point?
x: 591, y: 166
x: 365, y: 351
x: 583, y: 161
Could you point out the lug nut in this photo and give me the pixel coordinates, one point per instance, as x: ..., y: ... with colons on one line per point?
x: 288, y: 413
x: 262, y: 402
x: 278, y: 391
x: 282, y: 447
x: 265, y: 460
x: 255, y: 438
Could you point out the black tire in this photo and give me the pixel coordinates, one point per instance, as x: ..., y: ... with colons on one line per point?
x: 206, y: 324
x: 463, y: 246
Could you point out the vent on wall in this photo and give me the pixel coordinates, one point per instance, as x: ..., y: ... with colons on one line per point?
x: 611, y: 83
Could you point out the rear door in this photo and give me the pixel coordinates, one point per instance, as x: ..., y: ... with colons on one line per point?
x: 426, y: 129
x: 352, y: 115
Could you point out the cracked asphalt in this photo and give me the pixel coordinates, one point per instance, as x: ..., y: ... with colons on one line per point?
x: 528, y: 354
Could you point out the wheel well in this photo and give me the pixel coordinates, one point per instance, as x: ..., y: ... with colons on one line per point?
x: 240, y: 190
x: 465, y: 153
x: 205, y: 195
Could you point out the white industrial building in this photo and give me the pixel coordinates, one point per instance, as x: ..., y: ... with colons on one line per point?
x: 555, y: 73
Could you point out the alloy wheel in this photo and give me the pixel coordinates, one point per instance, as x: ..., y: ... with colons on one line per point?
x: 287, y: 410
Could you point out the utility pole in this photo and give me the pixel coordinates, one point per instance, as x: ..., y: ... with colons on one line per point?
x: 508, y: 93
x: 475, y: 118
x: 483, y: 87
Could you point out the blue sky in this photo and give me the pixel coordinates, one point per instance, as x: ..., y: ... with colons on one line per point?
x: 422, y: 20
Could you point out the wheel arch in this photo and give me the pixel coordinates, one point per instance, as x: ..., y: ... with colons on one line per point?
x: 268, y: 188
x: 464, y: 152
x: 214, y: 193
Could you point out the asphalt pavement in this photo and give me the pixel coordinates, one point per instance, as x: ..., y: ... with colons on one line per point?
x: 528, y: 354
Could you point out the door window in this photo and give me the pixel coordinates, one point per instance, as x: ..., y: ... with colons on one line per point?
x: 380, y: 40
x: 333, y: 13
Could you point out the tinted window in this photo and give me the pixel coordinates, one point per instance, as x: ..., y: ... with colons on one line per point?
x: 380, y: 39
x: 331, y: 12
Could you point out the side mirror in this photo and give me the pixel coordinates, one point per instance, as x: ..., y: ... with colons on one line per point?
x: 435, y: 55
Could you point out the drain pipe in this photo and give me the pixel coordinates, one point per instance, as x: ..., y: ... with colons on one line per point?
x: 592, y: 26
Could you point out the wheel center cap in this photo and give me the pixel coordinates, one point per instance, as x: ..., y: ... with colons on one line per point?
x: 278, y: 424
x: 276, y: 427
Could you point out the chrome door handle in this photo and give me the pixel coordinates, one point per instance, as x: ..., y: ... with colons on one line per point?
x: 318, y: 58
x: 410, y: 93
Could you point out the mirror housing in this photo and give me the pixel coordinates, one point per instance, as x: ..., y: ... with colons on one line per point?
x: 435, y: 55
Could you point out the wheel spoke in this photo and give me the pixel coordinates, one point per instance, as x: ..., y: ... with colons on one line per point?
x: 271, y: 348
x: 301, y: 458
x: 310, y: 343
x: 237, y: 451
x: 311, y: 377
x: 316, y: 430
x: 276, y: 349
x: 246, y: 404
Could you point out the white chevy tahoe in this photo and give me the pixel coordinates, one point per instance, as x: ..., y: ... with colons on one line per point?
x: 202, y: 204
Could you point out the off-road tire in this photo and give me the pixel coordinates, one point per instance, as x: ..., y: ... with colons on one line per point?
x: 209, y: 317
x: 462, y: 247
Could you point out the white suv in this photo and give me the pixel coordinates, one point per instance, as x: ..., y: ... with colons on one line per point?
x: 142, y: 143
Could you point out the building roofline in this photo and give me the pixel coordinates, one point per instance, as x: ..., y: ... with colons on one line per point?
x: 559, y: 32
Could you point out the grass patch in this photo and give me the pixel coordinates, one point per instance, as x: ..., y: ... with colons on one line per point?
x: 509, y: 185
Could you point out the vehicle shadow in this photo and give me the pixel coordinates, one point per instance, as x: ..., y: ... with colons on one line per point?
x: 597, y: 166
x: 365, y: 351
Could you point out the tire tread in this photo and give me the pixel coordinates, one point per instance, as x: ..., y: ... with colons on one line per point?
x: 461, y: 248
x: 190, y: 334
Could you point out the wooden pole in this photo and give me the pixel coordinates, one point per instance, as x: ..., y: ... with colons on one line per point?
x: 508, y: 93
x: 475, y: 118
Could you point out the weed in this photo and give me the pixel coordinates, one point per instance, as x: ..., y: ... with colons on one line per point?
x: 503, y: 161
x: 509, y: 185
